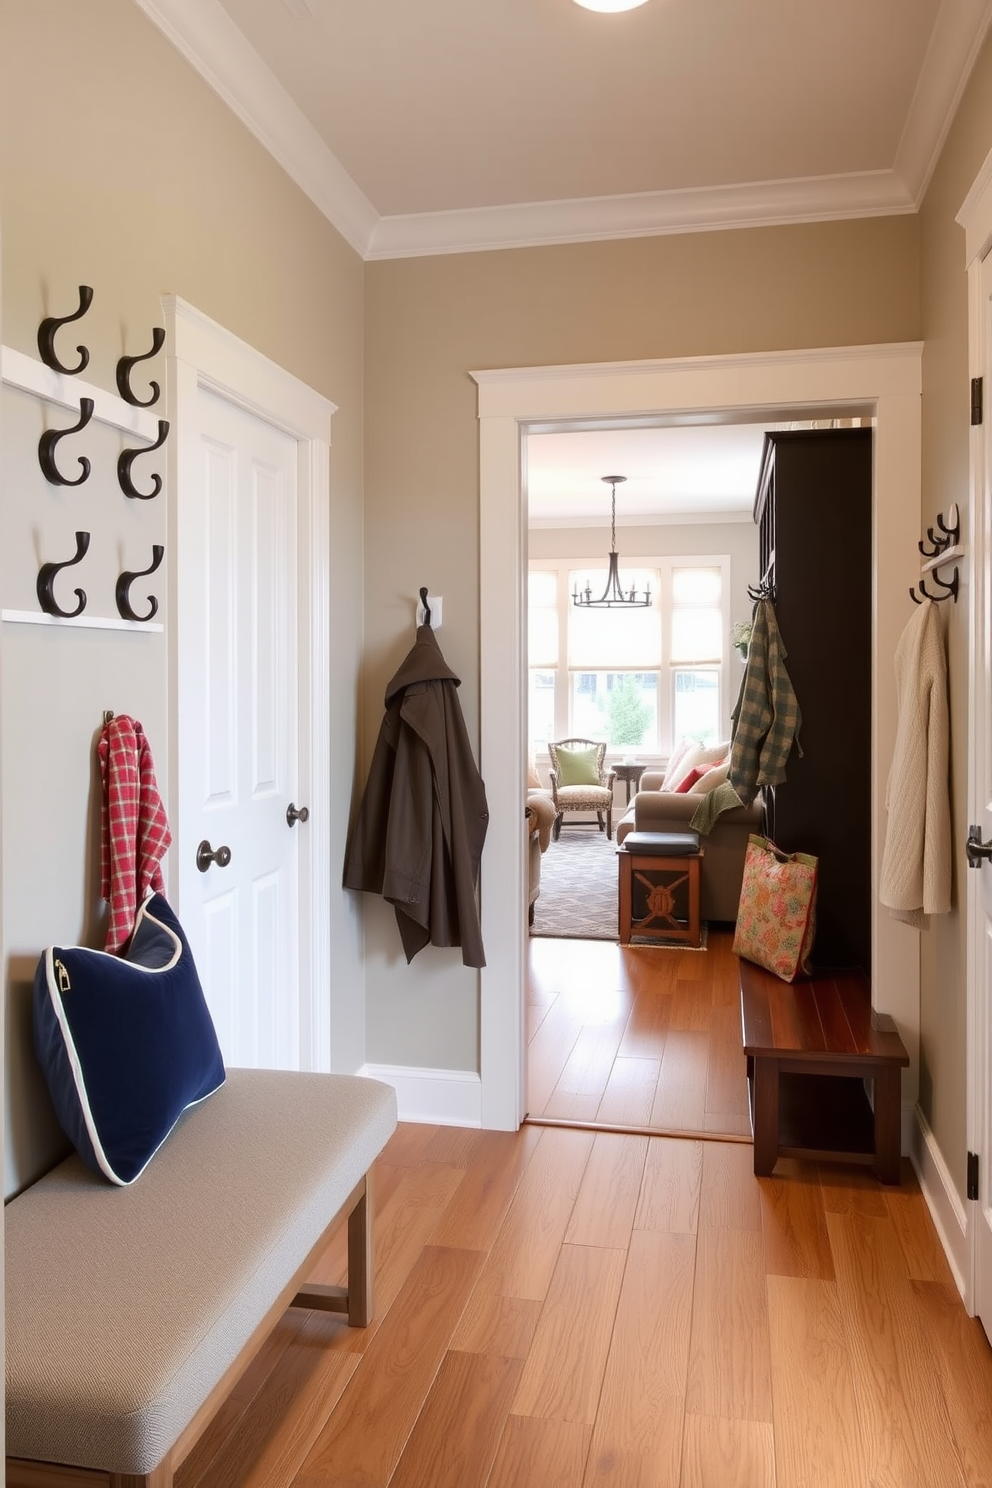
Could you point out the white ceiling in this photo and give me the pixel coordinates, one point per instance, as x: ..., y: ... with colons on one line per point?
x: 458, y: 125
x: 671, y: 475
x: 450, y: 125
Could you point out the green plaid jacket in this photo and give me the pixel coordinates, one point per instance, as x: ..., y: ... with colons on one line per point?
x: 766, y: 721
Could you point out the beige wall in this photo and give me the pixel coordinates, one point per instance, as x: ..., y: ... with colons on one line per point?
x: 946, y: 434
x: 121, y: 169
x: 430, y: 321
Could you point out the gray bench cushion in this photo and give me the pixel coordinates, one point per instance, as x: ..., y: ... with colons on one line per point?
x: 125, y: 1306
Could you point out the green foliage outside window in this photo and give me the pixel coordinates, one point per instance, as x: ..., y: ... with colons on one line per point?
x: 628, y: 715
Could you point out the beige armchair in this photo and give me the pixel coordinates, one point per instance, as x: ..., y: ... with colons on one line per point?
x: 540, y: 813
x: 580, y: 781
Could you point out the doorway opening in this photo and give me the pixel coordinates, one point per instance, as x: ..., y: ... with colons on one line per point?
x: 882, y: 383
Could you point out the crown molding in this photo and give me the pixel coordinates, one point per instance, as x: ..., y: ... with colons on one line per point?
x: 957, y: 37
x: 207, y: 37
x: 646, y: 214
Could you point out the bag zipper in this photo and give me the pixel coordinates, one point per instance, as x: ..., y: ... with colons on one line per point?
x: 63, y: 976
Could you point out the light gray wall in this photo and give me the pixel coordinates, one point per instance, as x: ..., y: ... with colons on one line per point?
x: 121, y: 169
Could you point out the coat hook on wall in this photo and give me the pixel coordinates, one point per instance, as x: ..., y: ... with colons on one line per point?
x: 51, y: 437
x: 46, y: 582
x: 125, y: 581
x: 51, y: 323
x: 125, y: 366
x: 944, y: 548
x: 126, y: 460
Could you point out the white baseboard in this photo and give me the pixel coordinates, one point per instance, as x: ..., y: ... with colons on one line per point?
x: 949, y: 1214
x: 440, y: 1097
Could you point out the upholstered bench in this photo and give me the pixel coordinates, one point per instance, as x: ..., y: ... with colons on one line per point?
x: 659, y: 863
x: 131, y: 1312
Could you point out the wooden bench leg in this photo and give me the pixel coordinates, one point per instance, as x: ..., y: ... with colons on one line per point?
x: 357, y: 1298
x: 888, y: 1122
x: 361, y: 1298
x: 765, y: 1116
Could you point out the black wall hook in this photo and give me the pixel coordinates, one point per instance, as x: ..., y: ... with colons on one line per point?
x: 126, y: 460
x: 125, y: 581
x: 427, y: 608
x: 46, y: 582
x: 950, y: 588
x: 126, y: 365
x: 51, y: 437
x: 51, y: 323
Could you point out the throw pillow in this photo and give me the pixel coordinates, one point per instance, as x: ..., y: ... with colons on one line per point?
x: 674, y: 760
x: 578, y: 766
x: 688, y: 781
x: 533, y: 779
x: 697, y: 754
x: 710, y: 780
x: 126, y: 1042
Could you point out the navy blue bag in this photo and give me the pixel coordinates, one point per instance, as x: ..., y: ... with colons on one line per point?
x: 126, y: 1043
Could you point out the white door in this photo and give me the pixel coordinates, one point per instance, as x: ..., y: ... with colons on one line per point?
x: 980, y: 877
x: 239, y: 750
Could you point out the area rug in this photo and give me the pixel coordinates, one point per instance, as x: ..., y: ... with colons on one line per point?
x: 578, y: 898
x: 579, y: 891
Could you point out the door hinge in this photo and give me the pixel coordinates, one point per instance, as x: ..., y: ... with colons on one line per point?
x: 976, y: 400
x: 973, y: 1175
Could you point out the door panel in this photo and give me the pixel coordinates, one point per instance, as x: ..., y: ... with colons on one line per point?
x: 238, y: 764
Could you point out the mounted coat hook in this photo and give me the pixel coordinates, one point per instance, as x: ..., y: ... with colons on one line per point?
x: 46, y: 582
x: 126, y: 460
x: 125, y: 366
x: 51, y: 437
x: 51, y: 323
x: 950, y: 588
x: 125, y: 581
x: 944, y: 548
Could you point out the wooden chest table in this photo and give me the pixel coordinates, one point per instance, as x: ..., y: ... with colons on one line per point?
x: 657, y: 869
x: 810, y: 1046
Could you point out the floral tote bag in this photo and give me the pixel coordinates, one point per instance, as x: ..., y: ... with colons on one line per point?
x: 776, y: 919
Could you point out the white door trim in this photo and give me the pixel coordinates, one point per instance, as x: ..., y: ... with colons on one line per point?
x: 884, y: 381
x: 202, y: 354
x: 975, y: 217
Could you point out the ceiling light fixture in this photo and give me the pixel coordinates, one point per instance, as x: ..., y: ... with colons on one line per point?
x: 613, y: 596
x: 610, y: 5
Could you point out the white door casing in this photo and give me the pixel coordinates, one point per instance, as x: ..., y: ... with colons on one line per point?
x: 976, y: 218
x: 212, y: 375
x: 881, y: 381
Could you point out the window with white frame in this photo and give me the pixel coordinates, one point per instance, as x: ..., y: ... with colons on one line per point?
x: 640, y: 678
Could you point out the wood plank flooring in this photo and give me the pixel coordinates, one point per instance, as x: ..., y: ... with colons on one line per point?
x: 636, y: 1036
x: 574, y: 1309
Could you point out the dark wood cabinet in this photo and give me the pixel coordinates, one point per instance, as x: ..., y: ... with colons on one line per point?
x: 814, y: 513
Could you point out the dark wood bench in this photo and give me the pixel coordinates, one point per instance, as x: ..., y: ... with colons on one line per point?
x: 810, y: 1047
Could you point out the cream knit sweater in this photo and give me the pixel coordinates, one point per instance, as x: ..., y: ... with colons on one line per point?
x: 916, y: 863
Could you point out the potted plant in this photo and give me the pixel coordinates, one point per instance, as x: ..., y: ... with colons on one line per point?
x: 740, y: 637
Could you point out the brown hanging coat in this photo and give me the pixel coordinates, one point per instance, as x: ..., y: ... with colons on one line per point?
x: 418, y: 836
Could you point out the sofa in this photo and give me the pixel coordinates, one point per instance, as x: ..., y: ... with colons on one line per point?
x: 540, y: 813
x: 655, y: 809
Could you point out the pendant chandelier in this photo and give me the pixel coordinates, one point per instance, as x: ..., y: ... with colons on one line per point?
x: 613, y: 596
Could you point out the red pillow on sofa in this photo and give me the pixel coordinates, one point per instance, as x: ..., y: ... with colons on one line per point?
x: 689, y: 781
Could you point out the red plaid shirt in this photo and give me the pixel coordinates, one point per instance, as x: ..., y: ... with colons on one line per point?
x: 135, y: 827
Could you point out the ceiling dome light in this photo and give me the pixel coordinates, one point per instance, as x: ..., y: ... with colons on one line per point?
x: 610, y: 4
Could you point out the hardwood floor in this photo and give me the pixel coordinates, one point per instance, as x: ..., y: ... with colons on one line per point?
x: 569, y: 1309
x: 636, y: 1036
